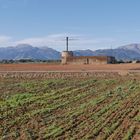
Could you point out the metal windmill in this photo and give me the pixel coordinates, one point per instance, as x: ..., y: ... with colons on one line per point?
x: 67, y: 42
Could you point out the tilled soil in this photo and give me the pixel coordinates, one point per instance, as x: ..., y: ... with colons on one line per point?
x: 59, y: 67
x: 96, y: 108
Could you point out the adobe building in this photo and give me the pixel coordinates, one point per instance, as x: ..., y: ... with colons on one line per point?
x: 69, y: 58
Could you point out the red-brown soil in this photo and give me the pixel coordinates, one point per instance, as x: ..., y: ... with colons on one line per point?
x: 59, y: 67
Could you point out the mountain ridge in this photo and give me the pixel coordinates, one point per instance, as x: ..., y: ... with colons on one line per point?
x: 27, y: 51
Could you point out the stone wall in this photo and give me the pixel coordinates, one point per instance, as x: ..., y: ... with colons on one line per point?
x: 68, y: 58
x: 88, y: 60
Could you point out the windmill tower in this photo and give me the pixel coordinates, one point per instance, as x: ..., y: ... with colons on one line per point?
x: 66, y: 54
x: 67, y: 44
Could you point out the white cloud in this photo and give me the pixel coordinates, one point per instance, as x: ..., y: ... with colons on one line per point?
x: 5, y: 40
x: 77, y: 41
x: 57, y: 41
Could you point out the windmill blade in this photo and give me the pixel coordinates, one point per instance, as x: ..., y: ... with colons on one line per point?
x: 73, y: 39
x: 70, y: 39
x: 67, y: 39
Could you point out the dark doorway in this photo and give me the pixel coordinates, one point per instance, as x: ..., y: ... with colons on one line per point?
x: 87, y: 61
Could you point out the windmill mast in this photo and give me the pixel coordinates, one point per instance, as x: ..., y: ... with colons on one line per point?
x: 67, y: 44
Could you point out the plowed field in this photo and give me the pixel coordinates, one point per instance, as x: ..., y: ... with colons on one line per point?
x: 97, y: 108
x: 59, y: 67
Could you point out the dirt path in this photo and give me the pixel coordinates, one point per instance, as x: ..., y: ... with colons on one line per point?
x: 59, y: 67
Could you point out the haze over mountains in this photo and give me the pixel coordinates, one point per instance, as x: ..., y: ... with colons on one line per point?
x: 127, y: 52
x: 26, y: 51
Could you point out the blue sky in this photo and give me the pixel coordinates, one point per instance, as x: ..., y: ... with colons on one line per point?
x: 94, y: 24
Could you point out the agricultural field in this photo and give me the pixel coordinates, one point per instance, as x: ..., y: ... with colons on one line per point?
x: 96, y: 108
x: 59, y: 67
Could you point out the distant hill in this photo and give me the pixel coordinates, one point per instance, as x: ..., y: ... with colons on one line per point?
x: 26, y: 51
x: 127, y: 52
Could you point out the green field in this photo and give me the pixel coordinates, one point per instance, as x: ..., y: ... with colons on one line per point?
x: 97, y: 108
